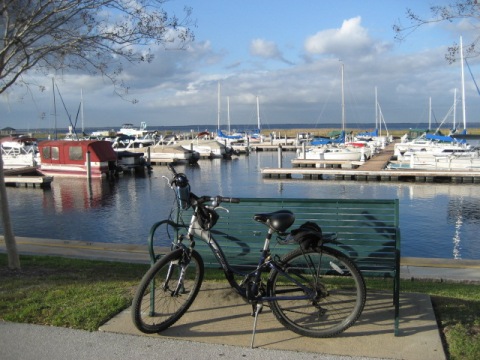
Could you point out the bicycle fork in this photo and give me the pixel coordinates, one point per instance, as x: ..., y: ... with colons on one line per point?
x: 181, y: 265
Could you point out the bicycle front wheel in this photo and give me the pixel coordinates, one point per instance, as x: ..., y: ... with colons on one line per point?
x: 167, y: 290
x: 332, y: 287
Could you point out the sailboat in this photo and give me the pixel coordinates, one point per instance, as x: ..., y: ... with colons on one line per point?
x: 335, y: 148
x: 436, y: 151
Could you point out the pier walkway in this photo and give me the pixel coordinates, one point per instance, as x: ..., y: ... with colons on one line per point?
x: 370, y: 170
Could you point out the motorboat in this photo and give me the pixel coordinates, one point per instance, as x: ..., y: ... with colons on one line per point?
x: 95, y: 158
x: 19, y: 151
x: 206, y: 148
x: 168, y: 153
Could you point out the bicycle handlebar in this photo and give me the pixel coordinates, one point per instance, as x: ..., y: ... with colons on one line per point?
x: 216, y: 200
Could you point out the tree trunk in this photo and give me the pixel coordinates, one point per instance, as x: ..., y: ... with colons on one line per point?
x: 10, y: 244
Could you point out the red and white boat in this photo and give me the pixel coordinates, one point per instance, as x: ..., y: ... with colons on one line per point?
x: 69, y: 158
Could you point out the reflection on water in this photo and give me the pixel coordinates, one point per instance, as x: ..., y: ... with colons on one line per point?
x: 436, y: 220
x: 78, y: 194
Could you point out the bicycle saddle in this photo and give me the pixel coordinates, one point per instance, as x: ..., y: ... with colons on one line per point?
x: 279, y: 220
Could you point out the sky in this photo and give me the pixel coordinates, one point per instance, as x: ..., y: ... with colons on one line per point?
x: 287, y: 54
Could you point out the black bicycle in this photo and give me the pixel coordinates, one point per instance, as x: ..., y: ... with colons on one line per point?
x: 315, y: 290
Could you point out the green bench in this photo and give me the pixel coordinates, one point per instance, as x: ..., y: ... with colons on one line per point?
x: 367, y: 231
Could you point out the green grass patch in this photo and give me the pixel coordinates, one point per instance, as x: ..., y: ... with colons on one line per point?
x: 73, y: 293
x: 84, y: 294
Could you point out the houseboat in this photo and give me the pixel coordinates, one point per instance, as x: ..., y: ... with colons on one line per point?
x: 69, y: 158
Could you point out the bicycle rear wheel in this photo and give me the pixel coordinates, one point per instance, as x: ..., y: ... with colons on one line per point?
x: 164, y: 294
x: 337, y: 289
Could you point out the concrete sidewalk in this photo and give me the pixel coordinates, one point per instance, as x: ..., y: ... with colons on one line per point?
x: 219, y: 317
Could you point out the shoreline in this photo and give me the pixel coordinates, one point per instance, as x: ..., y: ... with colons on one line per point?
x: 277, y: 129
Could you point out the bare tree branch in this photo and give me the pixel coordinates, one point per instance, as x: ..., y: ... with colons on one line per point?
x: 94, y: 36
x: 456, y: 10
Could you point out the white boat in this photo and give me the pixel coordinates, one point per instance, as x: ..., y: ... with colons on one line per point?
x: 334, y: 153
x: 206, y: 148
x: 130, y: 130
x: 169, y: 153
x: 441, y: 159
x: 423, y: 145
x: 19, y: 152
x: 128, y: 142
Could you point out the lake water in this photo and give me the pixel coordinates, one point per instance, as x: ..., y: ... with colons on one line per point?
x: 436, y: 220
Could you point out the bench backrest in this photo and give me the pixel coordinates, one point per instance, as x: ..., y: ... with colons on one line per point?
x: 367, y: 230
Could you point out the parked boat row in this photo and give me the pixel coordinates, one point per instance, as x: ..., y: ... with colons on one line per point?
x: 436, y: 153
x: 106, y: 157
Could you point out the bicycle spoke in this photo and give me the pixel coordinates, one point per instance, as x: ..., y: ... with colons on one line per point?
x: 337, y: 293
x: 155, y: 308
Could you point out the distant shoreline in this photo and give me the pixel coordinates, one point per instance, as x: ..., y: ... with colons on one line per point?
x: 281, y: 130
x: 290, y: 133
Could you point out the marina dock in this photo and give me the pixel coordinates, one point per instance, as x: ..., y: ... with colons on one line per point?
x: 26, y: 176
x: 370, y: 170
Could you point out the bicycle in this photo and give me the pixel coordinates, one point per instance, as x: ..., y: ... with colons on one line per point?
x: 314, y: 290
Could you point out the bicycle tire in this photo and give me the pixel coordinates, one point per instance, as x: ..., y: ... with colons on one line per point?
x: 338, y: 288
x: 155, y: 306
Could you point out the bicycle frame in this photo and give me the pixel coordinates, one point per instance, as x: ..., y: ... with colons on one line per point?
x: 265, y: 264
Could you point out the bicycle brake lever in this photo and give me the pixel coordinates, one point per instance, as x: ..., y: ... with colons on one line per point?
x: 168, y: 180
x: 222, y: 208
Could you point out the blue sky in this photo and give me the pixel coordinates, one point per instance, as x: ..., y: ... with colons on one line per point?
x: 286, y: 53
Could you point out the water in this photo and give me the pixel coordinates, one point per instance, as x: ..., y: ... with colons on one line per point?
x: 436, y: 220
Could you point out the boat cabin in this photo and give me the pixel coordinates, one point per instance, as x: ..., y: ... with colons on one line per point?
x: 69, y: 158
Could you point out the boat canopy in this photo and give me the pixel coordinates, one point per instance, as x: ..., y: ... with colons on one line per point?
x: 337, y: 138
x: 365, y: 134
x: 100, y: 150
x: 442, y: 138
x: 222, y: 135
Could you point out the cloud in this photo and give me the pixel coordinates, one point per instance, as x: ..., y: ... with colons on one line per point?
x: 350, y: 40
x: 267, y: 50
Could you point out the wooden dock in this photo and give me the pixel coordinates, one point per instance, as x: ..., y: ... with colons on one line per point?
x: 371, y: 170
x: 26, y: 176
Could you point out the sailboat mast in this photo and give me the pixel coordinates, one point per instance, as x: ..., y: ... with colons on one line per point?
x: 228, y: 113
x: 463, y: 87
x: 54, y: 111
x: 343, y: 104
x: 81, y: 109
x: 218, y: 106
x: 455, y: 108
x: 429, y: 113
x: 258, y: 115
x: 376, y: 109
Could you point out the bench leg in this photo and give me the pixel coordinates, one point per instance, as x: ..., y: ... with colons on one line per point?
x: 396, y: 294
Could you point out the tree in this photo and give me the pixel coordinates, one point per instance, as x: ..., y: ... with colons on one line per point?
x: 456, y: 10
x: 94, y: 36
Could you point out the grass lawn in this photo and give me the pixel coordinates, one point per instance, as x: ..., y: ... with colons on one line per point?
x: 48, y: 291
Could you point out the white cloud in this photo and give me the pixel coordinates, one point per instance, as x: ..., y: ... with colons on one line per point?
x: 350, y: 39
x: 267, y: 50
